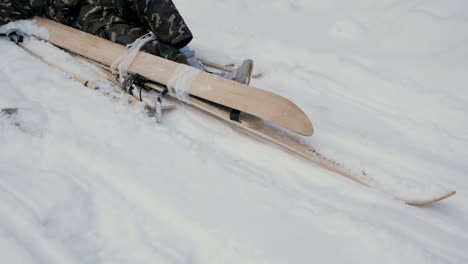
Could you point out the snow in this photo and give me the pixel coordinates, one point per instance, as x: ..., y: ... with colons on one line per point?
x: 87, y: 179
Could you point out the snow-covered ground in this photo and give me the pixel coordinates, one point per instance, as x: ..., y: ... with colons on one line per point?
x: 85, y: 179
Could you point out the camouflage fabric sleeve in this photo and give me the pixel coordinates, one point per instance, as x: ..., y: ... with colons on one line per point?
x: 13, y: 10
x: 163, y: 18
x: 126, y: 33
x: 119, y: 21
x: 122, y: 21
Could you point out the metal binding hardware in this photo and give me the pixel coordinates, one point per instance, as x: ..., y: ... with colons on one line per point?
x: 137, y: 81
x: 158, y: 105
x: 15, y: 35
x: 234, y: 115
x: 133, y: 81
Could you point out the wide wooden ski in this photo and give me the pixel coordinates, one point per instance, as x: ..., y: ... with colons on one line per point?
x: 263, y: 104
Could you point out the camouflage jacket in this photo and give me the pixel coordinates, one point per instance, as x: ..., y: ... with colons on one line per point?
x: 121, y: 21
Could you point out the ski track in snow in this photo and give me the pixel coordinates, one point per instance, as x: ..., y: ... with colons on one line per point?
x: 86, y: 179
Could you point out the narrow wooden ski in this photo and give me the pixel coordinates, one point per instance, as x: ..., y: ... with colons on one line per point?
x: 264, y: 130
x: 274, y: 134
x: 263, y: 104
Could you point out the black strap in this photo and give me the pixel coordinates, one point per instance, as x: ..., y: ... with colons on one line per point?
x: 14, y: 35
x: 141, y: 89
x: 134, y: 80
x: 234, y: 115
x: 162, y: 94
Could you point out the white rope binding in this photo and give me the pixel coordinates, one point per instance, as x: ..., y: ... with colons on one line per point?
x: 120, y: 66
x: 180, y: 81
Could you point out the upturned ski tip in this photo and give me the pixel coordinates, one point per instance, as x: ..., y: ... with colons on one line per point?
x: 305, y: 127
x: 427, y: 202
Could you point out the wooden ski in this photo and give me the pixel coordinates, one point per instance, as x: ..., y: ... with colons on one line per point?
x: 267, y: 131
x: 263, y: 104
x: 264, y: 130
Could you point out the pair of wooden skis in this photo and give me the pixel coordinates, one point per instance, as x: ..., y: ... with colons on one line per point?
x: 264, y: 114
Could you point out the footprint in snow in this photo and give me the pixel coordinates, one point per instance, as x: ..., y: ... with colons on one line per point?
x: 31, y: 121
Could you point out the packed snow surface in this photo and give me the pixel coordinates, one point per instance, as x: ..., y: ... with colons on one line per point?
x: 87, y: 179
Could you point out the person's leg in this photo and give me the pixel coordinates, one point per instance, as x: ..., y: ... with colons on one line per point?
x: 163, y: 18
x: 105, y: 21
x: 12, y: 10
x: 126, y: 34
